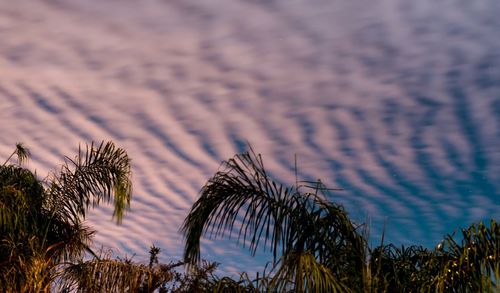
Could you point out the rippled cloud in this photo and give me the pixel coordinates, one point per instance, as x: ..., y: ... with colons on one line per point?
x: 396, y: 102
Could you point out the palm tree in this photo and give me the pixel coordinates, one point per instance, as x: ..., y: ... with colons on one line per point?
x: 41, y: 221
x: 105, y: 274
x: 314, y: 244
x: 404, y: 269
x: 473, y: 262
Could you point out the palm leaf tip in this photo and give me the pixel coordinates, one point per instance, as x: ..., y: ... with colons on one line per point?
x: 21, y: 152
x: 123, y: 194
x: 119, y: 175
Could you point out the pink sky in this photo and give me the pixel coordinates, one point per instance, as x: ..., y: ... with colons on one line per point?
x: 388, y: 100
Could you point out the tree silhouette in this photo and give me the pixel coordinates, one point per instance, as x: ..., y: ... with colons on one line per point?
x: 314, y: 244
x: 41, y: 221
x: 316, y: 247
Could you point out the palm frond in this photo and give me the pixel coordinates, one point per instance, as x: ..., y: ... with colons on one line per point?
x: 97, y: 174
x: 29, y: 268
x: 301, y: 272
x: 68, y: 241
x: 265, y: 214
x: 241, y: 192
x: 114, y: 275
x: 403, y: 269
x: 474, y: 262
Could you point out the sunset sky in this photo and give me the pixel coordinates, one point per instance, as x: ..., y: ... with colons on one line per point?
x: 396, y: 102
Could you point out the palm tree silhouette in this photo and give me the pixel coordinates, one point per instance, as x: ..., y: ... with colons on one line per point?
x: 314, y: 244
x: 316, y: 247
x: 41, y: 221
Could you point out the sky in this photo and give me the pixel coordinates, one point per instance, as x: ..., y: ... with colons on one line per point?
x: 396, y: 102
